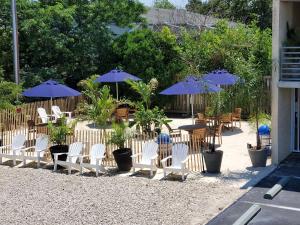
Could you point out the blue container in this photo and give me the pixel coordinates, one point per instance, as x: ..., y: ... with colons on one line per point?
x: 264, y: 130
x: 164, y: 139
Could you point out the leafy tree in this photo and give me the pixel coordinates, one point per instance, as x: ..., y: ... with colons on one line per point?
x: 244, y: 11
x: 64, y: 40
x: 9, y: 94
x: 150, y: 55
x: 163, y: 4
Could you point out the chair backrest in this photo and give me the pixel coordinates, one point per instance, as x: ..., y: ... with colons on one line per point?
x: 56, y: 111
x: 199, y: 134
x: 200, y: 121
x: 238, y: 112
x: 43, y: 115
x: 200, y: 116
x: 149, y: 151
x: 226, y: 118
x: 179, y: 153
x: 18, y: 142
x: 41, y: 144
x: 122, y: 113
x: 75, y: 149
x: 97, y: 151
x: 219, y: 129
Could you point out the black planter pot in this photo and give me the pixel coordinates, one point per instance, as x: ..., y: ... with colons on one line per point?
x: 59, y: 149
x: 258, y: 157
x: 123, y: 158
x: 213, y: 161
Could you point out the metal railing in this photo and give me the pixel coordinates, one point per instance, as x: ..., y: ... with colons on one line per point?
x: 290, y: 64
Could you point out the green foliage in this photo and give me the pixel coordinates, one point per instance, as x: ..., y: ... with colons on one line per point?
x: 9, y: 94
x: 120, y: 134
x: 60, y: 130
x: 99, y: 106
x: 150, y: 54
x: 63, y: 40
x: 244, y: 51
x: 245, y: 11
x: 163, y: 4
x: 146, y: 91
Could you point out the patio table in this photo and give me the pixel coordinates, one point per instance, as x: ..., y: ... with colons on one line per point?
x: 190, y: 128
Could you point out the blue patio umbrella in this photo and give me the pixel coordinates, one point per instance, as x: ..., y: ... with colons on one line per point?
x: 50, y: 89
x: 116, y: 76
x: 221, y: 77
x: 191, y: 85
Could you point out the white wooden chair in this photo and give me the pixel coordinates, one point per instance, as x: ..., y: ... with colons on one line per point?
x: 95, y: 157
x: 44, y: 116
x: 72, y: 156
x: 59, y: 114
x: 179, y: 159
x: 40, y: 147
x: 149, y: 156
x: 13, y: 151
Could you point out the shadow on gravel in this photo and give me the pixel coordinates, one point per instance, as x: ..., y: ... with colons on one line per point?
x: 235, y: 131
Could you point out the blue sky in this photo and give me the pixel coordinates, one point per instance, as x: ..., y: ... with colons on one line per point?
x: 177, y: 3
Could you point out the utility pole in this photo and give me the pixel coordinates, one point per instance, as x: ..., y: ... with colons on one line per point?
x: 15, y: 41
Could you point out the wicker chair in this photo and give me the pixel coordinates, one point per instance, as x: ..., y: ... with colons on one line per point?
x: 226, y: 119
x: 236, y: 116
x: 199, y: 136
x: 173, y: 132
x: 217, y: 132
x: 122, y: 114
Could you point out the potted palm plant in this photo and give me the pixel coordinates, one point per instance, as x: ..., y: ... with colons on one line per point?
x: 212, y: 157
x: 120, y: 134
x: 58, y: 135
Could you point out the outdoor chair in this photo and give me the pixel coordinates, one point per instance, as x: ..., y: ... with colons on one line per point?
x: 95, y: 159
x: 59, y: 114
x: 179, y: 160
x: 149, y: 157
x: 72, y: 156
x: 173, y: 132
x: 236, y: 116
x: 40, y: 148
x: 13, y: 151
x: 226, y: 119
x: 199, y: 136
x: 122, y: 114
x: 44, y: 116
x: 218, y: 132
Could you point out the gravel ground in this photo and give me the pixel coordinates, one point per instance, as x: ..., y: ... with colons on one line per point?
x: 39, y: 196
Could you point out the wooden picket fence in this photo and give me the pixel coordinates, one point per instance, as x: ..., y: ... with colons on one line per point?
x: 14, y: 119
x: 91, y: 137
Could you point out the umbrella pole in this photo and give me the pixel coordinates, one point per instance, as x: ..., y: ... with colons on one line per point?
x: 117, y: 91
x: 192, y: 104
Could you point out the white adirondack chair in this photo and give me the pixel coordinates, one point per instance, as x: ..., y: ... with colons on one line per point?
x: 40, y: 147
x: 179, y: 159
x: 149, y: 156
x: 73, y: 154
x: 59, y: 114
x: 96, y: 156
x: 14, y: 151
x: 43, y: 115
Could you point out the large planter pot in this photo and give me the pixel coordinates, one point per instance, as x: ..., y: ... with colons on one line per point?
x: 258, y: 157
x: 123, y: 158
x: 59, y: 149
x: 213, y: 161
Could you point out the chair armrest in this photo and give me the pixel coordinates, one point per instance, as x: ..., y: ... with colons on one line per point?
x: 6, y: 146
x: 136, y: 155
x: 57, y: 154
x: 154, y: 157
x: 25, y: 149
x: 163, y: 161
x: 184, y: 162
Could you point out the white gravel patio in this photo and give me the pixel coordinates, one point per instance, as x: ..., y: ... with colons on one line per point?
x: 40, y: 196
